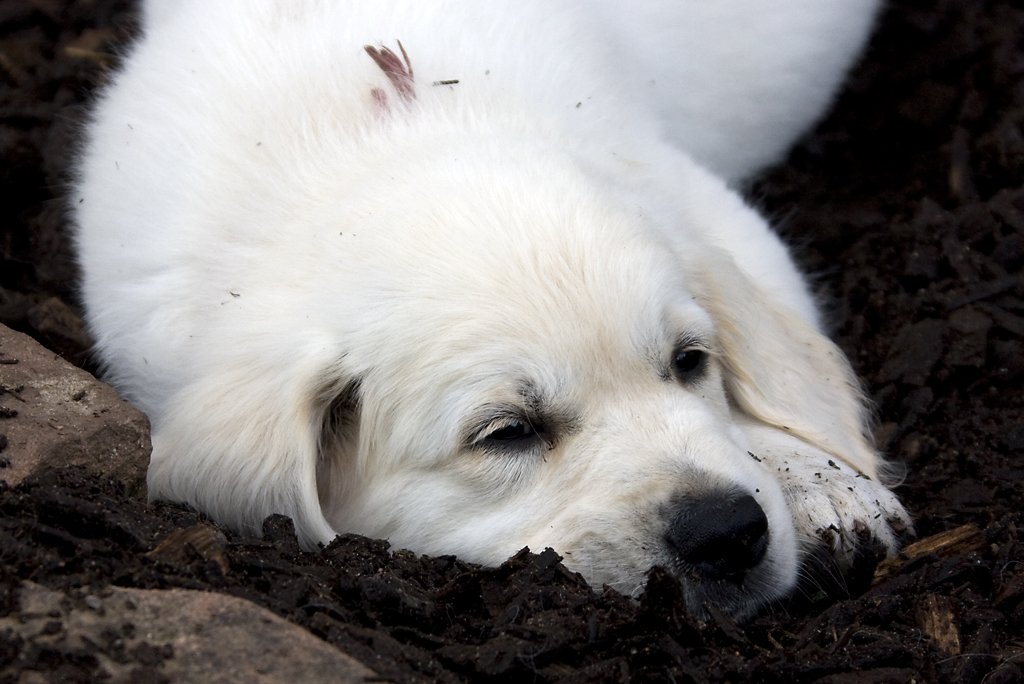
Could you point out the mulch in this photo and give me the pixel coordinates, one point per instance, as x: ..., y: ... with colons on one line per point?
x: 907, y: 204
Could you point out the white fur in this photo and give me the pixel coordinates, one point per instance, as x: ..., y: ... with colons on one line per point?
x: 261, y: 233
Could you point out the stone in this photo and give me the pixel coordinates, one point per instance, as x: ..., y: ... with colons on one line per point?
x: 54, y: 415
x: 177, y: 635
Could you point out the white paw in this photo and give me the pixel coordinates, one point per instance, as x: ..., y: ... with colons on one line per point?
x: 834, y: 505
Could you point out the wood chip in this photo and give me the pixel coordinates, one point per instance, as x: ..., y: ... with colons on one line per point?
x: 935, y: 618
x: 955, y: 542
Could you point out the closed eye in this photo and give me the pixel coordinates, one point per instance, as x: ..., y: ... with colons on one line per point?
x: 516, y: 430
x: 510, y: 433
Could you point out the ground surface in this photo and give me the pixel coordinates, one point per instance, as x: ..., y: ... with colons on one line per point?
x: 908, y: 202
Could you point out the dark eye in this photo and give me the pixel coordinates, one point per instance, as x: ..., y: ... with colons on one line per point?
x: 511, y: 431
x: 688, y: 363
x: 511, y: 434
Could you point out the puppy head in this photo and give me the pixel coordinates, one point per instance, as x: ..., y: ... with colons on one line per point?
x: 500, y: 361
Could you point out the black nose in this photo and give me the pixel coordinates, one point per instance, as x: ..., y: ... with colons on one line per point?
x: 719, y: 536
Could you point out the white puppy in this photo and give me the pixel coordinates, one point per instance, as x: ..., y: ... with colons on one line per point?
x: 469, y: 276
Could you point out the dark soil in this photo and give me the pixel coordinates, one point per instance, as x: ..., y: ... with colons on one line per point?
x: 909, y: 204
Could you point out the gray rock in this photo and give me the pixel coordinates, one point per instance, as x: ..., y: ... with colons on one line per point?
x: 177, y: 635
x: 54, y: 415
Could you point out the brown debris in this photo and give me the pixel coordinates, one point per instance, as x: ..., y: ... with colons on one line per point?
x: 935, y: 618
x: 398, y: 71
x: 956, y: 542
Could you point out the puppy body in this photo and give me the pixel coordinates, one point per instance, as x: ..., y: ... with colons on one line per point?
x: 338, y: 292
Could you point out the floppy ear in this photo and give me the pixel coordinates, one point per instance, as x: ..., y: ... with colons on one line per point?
x: 244, y: 442
x: 780, y: 369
